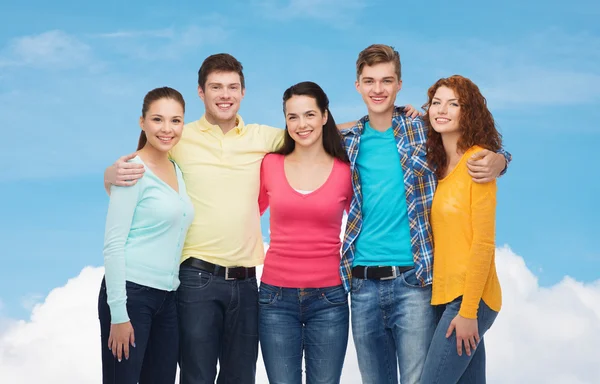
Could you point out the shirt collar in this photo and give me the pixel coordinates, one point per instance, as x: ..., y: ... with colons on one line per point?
x: 240, y: 127
x: 359, y: 127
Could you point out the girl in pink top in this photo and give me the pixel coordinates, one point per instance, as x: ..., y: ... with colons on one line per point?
x: 303, y: 307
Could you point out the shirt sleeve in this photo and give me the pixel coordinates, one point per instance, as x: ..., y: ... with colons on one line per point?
x: 508, y: 158
x: 481, y: 254
x: 263, y: 197
x: 273, y: 137
x: 121, y: 209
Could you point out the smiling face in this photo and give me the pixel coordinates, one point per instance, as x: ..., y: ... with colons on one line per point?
x: 444, y: 111
x: 163, y: 124
x: 304, y: 120
x: 378, y: 86
x: 222, y: 95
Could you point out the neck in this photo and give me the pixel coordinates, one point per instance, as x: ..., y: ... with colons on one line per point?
x: 381, y: 121
x: 152, y: 155
x: 450, y: 142
x: 225, y: 125
x: 312, y: 154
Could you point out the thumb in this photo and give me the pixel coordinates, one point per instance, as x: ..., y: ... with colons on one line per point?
x: 129, y: 157
x: 450, y: 329
x: 132, y: 338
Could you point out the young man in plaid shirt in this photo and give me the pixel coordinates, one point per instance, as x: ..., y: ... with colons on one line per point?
x: 388, y: 246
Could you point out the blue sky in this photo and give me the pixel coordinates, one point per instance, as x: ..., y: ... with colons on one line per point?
x: 73, y: 75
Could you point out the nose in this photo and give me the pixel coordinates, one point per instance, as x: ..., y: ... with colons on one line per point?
x: 302, y: 122
x: 378, y: 87
x: 442, y: 109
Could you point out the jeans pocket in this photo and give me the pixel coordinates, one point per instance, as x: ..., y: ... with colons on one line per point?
x: 356, y: 285
x: 266, y: 296
x: 409, y: 278
x: 335, y: 296
x: 194, y: 278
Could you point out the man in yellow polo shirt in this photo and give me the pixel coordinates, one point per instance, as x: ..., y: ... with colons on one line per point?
x: 220, y: 157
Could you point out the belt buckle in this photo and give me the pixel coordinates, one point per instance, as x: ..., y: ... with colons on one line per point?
x: 227, y: 274
x: 394, y: 275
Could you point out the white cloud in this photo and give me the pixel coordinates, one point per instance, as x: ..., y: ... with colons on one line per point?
x: 542, y: 335
x: 52, y: 49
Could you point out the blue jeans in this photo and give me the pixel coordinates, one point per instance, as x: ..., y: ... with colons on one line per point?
x: 443, y: 365
x: 393, y: 322
x: 218, y: 320
x: 310, y: 320
x: 153, y: 315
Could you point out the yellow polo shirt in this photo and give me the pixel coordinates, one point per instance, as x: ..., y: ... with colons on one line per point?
x: 222, y: 177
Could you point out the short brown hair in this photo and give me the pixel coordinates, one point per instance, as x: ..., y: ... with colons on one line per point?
x: 377, y: 54
x: 220, y: 62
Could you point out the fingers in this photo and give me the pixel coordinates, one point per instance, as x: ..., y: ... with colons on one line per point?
x: 119, y: 351
x: 467, y: 344
x: 482, y: 180
x: 480, y: 155
x: 126, y: 183
x: 459, y: 346
x: 450, y: 330
x: 473, y: 344
x: 126, y: 351
x: 478, y: 167
x: 127, y: 157
x: 132, y: 339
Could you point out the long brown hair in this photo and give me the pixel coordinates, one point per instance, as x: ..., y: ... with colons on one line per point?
x: 151, y: 97
x: 332, y: 141
x: 476, y: 122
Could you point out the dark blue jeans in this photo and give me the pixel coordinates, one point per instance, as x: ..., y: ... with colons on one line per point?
x: 153, y: 315
x: 443, y: 364
x: 310, y: 320
x: 218, y: 321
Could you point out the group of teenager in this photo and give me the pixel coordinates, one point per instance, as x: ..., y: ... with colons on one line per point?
x: 183, y: 236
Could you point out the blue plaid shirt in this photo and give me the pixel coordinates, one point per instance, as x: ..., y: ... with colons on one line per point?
x: 419, y: 182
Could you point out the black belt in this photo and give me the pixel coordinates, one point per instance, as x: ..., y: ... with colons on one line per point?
x: 378, y: 273
x: 229, y: 273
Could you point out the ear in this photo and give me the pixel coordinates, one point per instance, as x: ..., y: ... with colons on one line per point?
x: 243, y: 92
x: 141, y: 122
x: 201, y: 93
x: 325, y: 116
x: 357, y: 85
x: 399, y: 85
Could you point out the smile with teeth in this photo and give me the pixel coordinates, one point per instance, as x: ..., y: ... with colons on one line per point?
x: 165, y: 139
x: 224, y: 106
x: 303, y: 133
x: 378, y: 99
x: 442, y: 120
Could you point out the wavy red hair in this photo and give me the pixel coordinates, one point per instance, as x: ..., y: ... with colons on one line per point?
x: 476, y: 122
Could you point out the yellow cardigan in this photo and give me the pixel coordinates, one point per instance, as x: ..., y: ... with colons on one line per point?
x: 463, y: 216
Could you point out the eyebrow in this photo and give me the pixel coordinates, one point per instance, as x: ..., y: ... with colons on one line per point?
x: 213, y: 83
x: 309, y: 111
x: 437, y: 98
x: 384, y: 78
x: 159, y: 115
